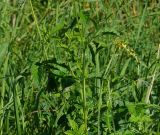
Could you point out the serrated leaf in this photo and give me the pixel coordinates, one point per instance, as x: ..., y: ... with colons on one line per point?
x: 82, y: 129
x: 93, y: 75
x: 69, y: 132
x: 73, y: 124
x: 61, y: 68
x: 57, y: 72
x: 131, y: 108
x: 143, y: 118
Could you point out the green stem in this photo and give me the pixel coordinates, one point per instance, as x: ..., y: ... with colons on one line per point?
x: 98, y: 85
x: 2, y: 95
x: 84, y: 93
x: 35, y: 19
x: 44, y: 51
x: 16, y: 110
x: 141, y: 23
x: 152, y: 81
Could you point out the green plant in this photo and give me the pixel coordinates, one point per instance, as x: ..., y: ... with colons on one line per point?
x: 79, y: 67
x: 75, y: 129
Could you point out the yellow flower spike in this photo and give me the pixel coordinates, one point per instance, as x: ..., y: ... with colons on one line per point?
x: 123, y: 45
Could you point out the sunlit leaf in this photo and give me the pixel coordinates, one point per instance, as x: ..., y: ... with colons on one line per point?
x: 73, y: 124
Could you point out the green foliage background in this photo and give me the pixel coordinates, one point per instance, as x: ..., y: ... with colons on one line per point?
x: 79, y: 67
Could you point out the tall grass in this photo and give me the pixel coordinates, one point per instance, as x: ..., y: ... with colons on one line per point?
x: 79, y: 67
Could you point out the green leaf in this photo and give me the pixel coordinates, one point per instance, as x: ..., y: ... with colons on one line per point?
x: 125, y: 68
x: 69, y: 132
x: 57, y: 72
x: 83, y: 18
x: 58, y: 27
x: 107, y: 31
x: 61, y: 68
x: 35, y: 76
x: 143, y: 118
x: 73, y: 124
x: 67, y: 81
x: 3, y: 52
x: 82, y: 129
x: 131, y: 108
x: 92, y: 50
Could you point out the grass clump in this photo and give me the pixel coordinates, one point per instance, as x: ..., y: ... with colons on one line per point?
x: 79, y: 67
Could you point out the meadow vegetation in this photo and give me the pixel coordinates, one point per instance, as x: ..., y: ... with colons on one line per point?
x: 79, y: 67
